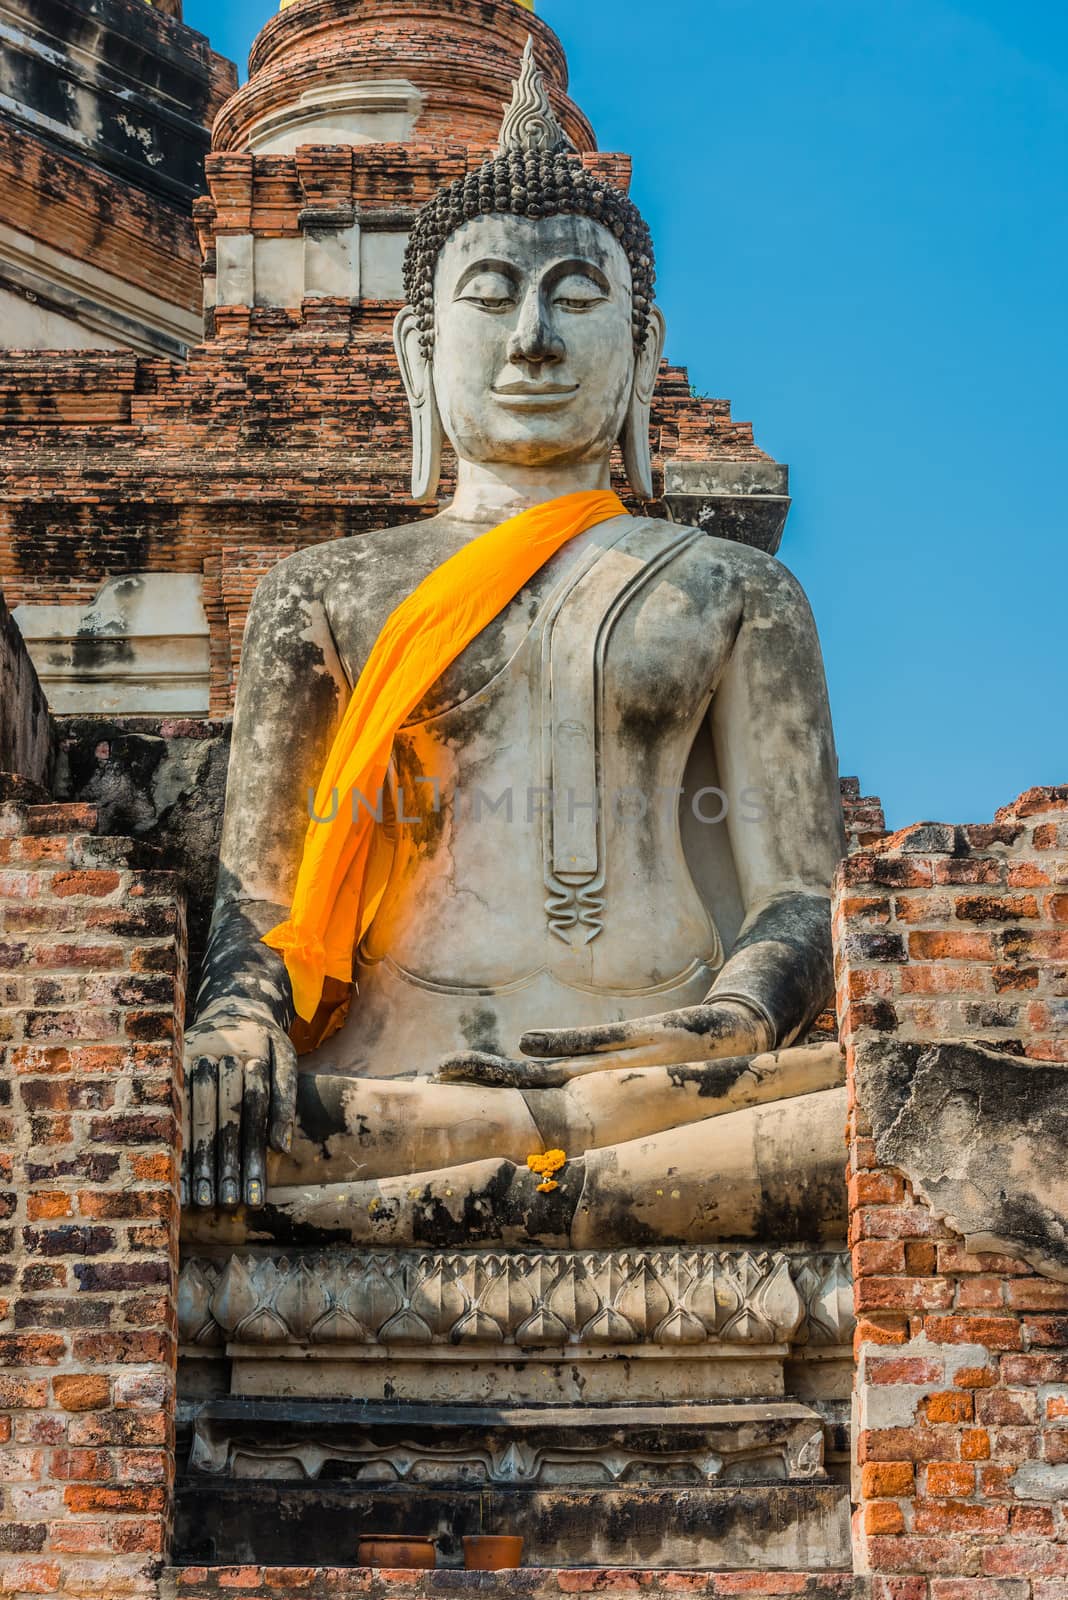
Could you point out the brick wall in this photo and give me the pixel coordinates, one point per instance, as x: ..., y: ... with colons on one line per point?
x: 92, y: 952
x: 961, y: 1419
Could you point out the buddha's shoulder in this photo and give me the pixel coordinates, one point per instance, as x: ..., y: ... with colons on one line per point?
x: 750, y: 567
x: 314, y: 572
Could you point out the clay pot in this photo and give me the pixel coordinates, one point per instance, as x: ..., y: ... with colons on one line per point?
x: 492, y: 1552
x: 396, y: 1550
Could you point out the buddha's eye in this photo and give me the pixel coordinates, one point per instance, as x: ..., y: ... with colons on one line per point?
x: 490, y: 291
x: 578, y: 293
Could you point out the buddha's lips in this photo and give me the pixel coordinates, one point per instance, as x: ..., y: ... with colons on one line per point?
x: 533, y: 391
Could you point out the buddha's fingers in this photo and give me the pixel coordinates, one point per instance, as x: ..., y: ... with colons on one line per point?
x: 186, y: 1176
x: 501, y: 1072
x: 254, y: 1109
x: 228, y: 1151
x: 692, y: 1033
x: 283, y: 1093
x: 204, y: 1088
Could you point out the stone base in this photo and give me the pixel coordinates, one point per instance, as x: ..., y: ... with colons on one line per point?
x: 614, y: 1408
x: 756, y: 1527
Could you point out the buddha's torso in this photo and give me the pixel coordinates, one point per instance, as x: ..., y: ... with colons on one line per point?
x: 539, y: 876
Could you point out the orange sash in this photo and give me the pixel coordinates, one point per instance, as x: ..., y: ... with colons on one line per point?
x: 341, y: 879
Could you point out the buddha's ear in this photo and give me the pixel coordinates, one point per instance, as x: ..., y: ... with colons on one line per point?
x: 418, y: 377
x: 635, y: 436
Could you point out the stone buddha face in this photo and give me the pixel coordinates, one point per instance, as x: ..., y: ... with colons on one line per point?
x: 533, y: 354
x: 533, y: 362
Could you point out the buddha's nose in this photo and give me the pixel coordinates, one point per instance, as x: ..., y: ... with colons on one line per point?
x: 534, y: 340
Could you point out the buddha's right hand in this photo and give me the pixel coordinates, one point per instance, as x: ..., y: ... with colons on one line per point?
x: 241, y: 1090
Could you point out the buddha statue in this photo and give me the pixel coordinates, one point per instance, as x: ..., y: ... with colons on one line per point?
x: 577, y: 1013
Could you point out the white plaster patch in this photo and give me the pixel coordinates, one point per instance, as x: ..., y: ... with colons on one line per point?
x: 376, y: 111
x: 1041, y: 1480
x: 278, y: 272
x: 381, y: 265
x: 141, y: 646
x: 896, y: 1405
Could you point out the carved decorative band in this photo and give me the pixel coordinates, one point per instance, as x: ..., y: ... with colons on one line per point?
x: 537, y: 1300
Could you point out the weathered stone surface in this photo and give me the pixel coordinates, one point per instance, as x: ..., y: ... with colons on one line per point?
x: 981, y: 1135
x: 162, y: 781
x: 107, y: 111
x: 763, y: 1527
x: 27, y: 741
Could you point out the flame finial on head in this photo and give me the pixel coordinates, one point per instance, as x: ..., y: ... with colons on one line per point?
x: 530, y: 123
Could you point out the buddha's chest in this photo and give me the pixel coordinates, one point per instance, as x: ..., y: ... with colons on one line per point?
x: 627, y: 638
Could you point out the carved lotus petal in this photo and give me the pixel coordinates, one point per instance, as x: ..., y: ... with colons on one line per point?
x: 609, y: 1326
x: 830, y: 1307
x: 541, y: 1274
x: 370, y: 1296
x: 713, y: 1298
x: 301, y: 1299
x: 196, y: 1325
x: 338, y: 1327
x: 748, y: 1327
x: 573, y: 1298
x: 542, y: 1327
x: 477, y: 1328
x: 680, y: 1327
x: 807, y: 1279
x: 440, y: 1301
x: 606, y: 1276
x: 405, y: 1328
x: 235, y: 1297
x: 676, y: 1273
x: 780, y: 1302
x: 642, y: 1300
x: 516, y: 1463
x: 506, y: 1297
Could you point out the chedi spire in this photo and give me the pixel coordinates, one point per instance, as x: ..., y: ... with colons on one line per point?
x: 530, y: 124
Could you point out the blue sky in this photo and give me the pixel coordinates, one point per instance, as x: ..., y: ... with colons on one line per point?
x: 860, y: 216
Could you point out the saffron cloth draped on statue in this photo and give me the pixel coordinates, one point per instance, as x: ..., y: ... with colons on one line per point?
x: 341, y: 880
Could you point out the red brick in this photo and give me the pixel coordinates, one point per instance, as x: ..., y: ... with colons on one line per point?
x: 996, y: 1333
x: 81, y: 1391
x: 950, y: 1479
x: 951, y: 946
x: 883, y: 1516
x: 903, y: 1369
x: 956, y: 1516
x: 96, y: 884
x: 887, y: 1480
x: 903, y: 1294
x: 17, y: 1394
x: 920, y: 1444
x: 86, y: 1497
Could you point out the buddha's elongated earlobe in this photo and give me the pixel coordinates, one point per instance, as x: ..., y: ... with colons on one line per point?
x: 635, y: 436
x: 418, y: 378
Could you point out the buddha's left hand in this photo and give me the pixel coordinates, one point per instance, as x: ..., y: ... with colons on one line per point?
x: 705, y: 1032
